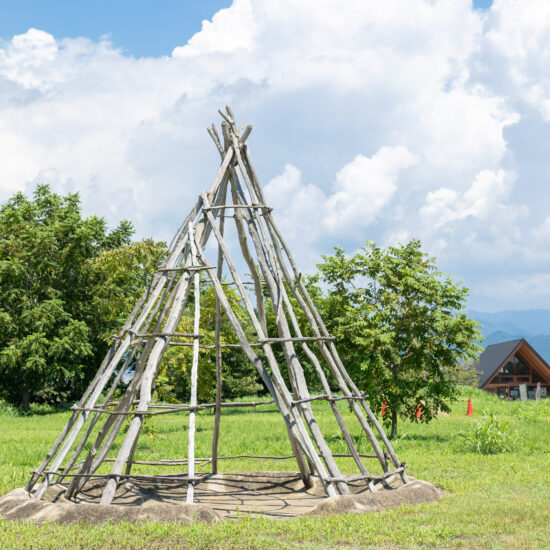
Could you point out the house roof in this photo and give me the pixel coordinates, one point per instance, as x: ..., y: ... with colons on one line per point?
x: 496, y: 355
x: 493, y: 357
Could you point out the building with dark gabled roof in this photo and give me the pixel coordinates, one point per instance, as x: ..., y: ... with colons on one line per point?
x: 503, y: 367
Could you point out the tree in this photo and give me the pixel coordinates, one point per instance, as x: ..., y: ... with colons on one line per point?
x: 400, y: 327
x: 65, y: 283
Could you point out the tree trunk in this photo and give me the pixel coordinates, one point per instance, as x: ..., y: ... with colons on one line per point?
x: 393, y: 432
x: 393, y: 409
x: 26, y: 400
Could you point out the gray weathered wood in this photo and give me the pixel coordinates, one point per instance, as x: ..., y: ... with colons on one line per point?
x: 311, y: 312
x: 276, y: 288
x: 194, y: 369
x: 152, y: 327
x: 304, y: 440
x: 276, y: 386
x: 217, y: 345
x: 180, y: 299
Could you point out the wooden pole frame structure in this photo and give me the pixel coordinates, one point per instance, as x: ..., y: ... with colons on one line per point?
x: 153, y: 326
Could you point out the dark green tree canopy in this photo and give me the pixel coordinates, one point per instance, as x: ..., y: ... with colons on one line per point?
x: 59, y: 296
x: 400, y: 327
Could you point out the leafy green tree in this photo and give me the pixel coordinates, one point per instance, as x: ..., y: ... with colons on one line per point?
x: 65, y: 283
x: 120, y: 275
x: 400, y: 327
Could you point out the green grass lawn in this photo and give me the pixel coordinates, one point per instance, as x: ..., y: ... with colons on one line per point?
x: 491, y: 501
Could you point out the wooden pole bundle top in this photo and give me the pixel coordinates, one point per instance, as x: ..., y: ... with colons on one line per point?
x: 152, y: 327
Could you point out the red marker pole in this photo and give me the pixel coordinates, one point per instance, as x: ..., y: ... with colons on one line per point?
x: 418, y: 411
x: 470, y: 411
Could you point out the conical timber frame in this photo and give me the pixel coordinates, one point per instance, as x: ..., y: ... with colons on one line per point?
x: 152, y: 327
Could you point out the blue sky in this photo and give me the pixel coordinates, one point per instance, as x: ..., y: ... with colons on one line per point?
x: 140, y: 27
x: 386, y: 121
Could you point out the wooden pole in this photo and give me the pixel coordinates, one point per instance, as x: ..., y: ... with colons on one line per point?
x: 111, y: 427
x: 194, y: 369
x: 96, y: 417
x: 276, y: 392
x: 298, y: 426
x: 296, y: 374
x: 217, y: 343
x: 180, y: 296
x: 275, y: 287
x: 331, y: 356
x: 258, y: 289
x: 302, y: 466
x: 336, y: 366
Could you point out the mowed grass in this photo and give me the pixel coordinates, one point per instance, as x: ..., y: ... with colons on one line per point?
x: 491, y: 501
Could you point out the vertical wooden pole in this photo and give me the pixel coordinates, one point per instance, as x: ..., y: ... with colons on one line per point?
x: 194, y: 369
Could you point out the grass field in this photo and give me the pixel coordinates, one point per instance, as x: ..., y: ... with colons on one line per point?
x: 491, y: 501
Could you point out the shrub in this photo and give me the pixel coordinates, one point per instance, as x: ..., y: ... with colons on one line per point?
x: 491, y: 435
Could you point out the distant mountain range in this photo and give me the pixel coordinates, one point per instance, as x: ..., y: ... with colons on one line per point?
x: 531, y: 324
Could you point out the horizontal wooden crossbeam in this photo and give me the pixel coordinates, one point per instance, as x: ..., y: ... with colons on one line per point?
x: 164, y: 477
x: 329, y: 398
x: 206, y: 460
x: 296, y: 339
x: 224, y: 206
x: 370, y: 477
x: 177, y: 408
x: 187, y: 268
x: 206, y: 346
x: 171, y: 334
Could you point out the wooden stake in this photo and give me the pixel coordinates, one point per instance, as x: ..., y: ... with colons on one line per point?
x: 194, y: 369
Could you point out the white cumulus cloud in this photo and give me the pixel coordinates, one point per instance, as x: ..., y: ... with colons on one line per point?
x: 377, y: 120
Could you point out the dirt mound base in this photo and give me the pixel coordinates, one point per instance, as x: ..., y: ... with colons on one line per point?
x: 278, y: 495
x: 17, y: 505
x: 414, y: 492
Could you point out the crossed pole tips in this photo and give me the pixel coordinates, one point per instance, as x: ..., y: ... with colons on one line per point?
x: 88, y: 439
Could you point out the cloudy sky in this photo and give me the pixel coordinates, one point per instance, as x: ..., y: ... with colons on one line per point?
x: 382, y: 120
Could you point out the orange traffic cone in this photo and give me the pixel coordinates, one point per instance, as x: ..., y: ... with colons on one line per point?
x: 418, y: 411
x: 383, y: 408
x: 470, y: 408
